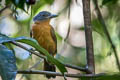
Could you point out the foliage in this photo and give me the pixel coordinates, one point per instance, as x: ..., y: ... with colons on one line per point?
x: 33, y: 43
x: 102, y: 47
x: 104, y: 2
x: 8, y: 67
x: 104, y: 76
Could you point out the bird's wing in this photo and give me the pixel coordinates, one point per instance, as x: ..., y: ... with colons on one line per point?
x: 31, y: 33
x: 54, y: 37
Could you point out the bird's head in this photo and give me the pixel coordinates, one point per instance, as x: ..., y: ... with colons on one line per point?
x: 44, y: 15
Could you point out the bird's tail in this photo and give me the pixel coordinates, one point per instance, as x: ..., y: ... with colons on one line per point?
x: 49, y: 67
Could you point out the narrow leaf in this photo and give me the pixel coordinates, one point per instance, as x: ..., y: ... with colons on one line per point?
x: 33, y: 43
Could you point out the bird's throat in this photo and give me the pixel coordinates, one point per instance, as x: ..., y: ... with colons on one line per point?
x: 42, y: 22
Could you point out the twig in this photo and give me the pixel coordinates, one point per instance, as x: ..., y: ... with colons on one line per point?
x: 65, y: 40
x: 59, y: 74
x: 65, y: 8
x: 35, y: 53
x: 3, y: 9
x: 36, y: 64
x: 69, y: 21
x: 101, y: 20
x: 29, y: 50
x: 76, y: 67
x: 88, y: 36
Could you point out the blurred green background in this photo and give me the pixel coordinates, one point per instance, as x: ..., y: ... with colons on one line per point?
x: 16, y: 20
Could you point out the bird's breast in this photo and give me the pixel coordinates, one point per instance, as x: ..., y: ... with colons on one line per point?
x: 42, y: 34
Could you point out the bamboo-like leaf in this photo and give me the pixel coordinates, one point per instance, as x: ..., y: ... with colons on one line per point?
x: 33, y: 43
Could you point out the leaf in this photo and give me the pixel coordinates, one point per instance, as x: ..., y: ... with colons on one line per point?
x: 82, y: 28
x: 37, y: 7
x: 108, y: 76
x: 9, y: 46
x: 63, y: 59
x: 59, y: 37
x: 19, y: 4
x: 104, y: 2
x: 103, y: 76
x: 49, y: 1
x: 97, y: 27
x: 8, y: 67
x: 5, y: 39
x: 33, y: 43
x: 7, y: 2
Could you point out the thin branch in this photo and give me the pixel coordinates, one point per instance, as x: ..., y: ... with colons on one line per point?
x: 101, y: 20
x: 59, y: 74
x: 35, y: 65
x: 69, y: 9
x: 65, y: 40
x: 76, y: 67
x: 65, y: 8
x: 88, y: 36
x: 29, y: 50
x: 3, y: 9
x: 35, y: 53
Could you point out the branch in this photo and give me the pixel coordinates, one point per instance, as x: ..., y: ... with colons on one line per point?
x: 35, y: 65
x: 43, y: 57
x: 3, y: 9
x: 68, y: 32
x: 88, y: 36
x: 101, y: 20
x: 65, y: 40
x: 76, y: 67
x: 59, y: 74
x: 29, y: 50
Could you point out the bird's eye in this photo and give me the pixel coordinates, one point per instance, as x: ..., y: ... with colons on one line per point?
x: 43, y: 15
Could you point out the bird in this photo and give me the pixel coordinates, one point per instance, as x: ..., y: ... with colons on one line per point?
x: 44, y: 33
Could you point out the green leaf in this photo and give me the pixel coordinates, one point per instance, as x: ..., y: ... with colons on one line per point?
x: 63, y: 59
x: 5, y: 39
x: 104, y: 2
x: 49, y: 1
x: 8, y: 67
x: 19, y: 4
x: 103, y: 76
x: 9, y: 46
x: 38, y: 6
x: 7, y: 2
x: 33, y: 43
x: 108, y: 76
x: 82, y: 28
x: 97, y: 27
x: 59, y: 37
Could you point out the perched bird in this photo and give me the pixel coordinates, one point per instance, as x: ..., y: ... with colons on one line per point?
x: 43, y: 32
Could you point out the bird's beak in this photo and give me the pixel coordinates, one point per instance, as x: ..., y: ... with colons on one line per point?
x: 53, y: 15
